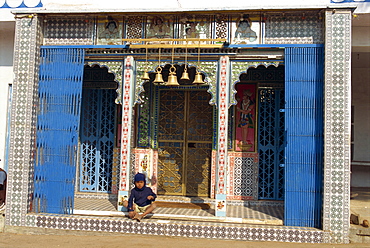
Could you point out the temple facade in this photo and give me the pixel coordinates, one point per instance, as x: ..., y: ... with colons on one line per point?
x: 235, y: 106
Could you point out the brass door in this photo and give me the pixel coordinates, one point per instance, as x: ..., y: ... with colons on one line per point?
x: 185, y: 142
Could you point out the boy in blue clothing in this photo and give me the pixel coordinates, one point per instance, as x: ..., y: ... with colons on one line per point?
x: 141, y: 199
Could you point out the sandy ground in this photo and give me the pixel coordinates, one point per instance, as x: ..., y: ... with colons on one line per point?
x: 140, y: 241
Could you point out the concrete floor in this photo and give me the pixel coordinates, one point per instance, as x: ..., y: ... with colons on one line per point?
x: 258, y: 212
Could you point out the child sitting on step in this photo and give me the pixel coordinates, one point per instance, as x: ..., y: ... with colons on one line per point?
x: 141, y: 199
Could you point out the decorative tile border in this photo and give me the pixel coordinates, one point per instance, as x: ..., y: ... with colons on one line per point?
x: 75, y: 30
x: 144, y: 163
x: 337, y: 126
x: 115, y: 170
x: 126, y: 129
x: 177, y: 228
x: 23, y: 119
x: 22, y: 4
x: 242, y: 167
x: 294, y: 28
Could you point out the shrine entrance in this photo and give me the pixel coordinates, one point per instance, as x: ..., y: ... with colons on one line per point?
x: 185, y: 130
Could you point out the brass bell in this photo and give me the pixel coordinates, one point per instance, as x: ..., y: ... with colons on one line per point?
x: 198, y: 78
x: 185, y: 74
x: 145, y: 76
x: 158, y: 78
x: 172, y: 78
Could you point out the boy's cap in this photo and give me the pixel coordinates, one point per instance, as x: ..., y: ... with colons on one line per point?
x: 139, y: 177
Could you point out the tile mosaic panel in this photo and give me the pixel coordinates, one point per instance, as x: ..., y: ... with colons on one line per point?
x: 68, y: 30
x: 115, y: 170
x: 144, y: 163
x: 243, y: 176
x: 191, y: 229
x: 222, y: 26
x: 295, y: 28
x: 337, y: 126
x: 134, y: 27
x: 23, y: 119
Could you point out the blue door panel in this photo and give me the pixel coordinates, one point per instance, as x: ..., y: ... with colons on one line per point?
x: 60, y: 88
x: 304, y: 87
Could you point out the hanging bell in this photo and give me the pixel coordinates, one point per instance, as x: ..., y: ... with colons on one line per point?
x: 185, y: 74
x: 158, y: 78
x: 198, y: 78
x: 145, y: 76
x: 172, y: 78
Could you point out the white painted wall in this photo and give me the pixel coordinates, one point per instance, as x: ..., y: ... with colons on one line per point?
x: 361, y: 103
x: 6, y: 78
x: 360, y: 169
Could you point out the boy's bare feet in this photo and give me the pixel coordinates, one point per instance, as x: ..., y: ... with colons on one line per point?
x: 137, y: 217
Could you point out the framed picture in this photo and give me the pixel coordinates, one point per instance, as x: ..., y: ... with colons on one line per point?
x: 159, y: 27
x: 245, y: 118
x: 109, y: 31
x: 246, y: 29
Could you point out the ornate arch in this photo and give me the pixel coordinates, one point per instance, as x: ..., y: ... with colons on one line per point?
x: 238, y: 68
x: 114, y: 67
x: 208, y: 68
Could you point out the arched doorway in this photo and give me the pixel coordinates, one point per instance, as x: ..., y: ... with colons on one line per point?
x: 183, y: 135
x: 97, y: 130
x: 263, y: 88
x: 184, y: 142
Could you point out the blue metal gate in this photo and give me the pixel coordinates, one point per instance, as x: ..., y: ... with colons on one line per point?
x: 60, y: 88
x: 304, y: 87
x: 271, y: 143
x: 97, y: 140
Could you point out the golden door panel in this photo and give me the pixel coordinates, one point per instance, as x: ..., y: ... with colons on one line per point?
x: 185, y: 143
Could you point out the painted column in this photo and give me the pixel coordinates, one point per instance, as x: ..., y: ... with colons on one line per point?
x: 128, y: 89
x: 221, y: 159
x: 337, y: 126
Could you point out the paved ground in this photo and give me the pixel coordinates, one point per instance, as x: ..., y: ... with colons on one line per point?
x: 9, y: 240
x: 360, y: 205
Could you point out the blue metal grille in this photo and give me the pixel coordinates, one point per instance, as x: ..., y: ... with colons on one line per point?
x: 271, y: 144
x: 304, y: 126
x: 60, y: 87
x: 97, y: 140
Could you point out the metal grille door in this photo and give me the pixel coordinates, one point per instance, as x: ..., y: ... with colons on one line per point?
x: 97, y: 140
x: 60, y: 88
x: 304, y: 87
x: 185, y: 143
x: 271, y: 143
